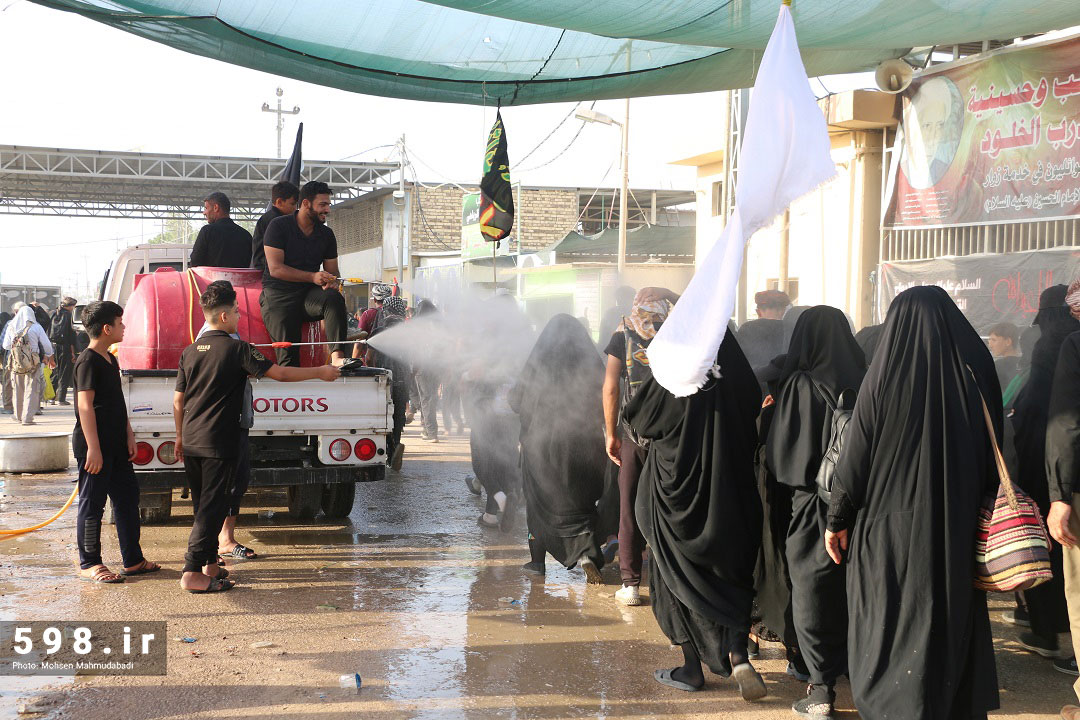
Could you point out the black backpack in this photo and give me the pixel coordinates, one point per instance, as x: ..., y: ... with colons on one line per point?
x: 841, y: 410
x: 58, y: 328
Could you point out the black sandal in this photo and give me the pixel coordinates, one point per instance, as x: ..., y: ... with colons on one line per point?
x: 142, y: 568
x: 239, y: 552
x: 216, y: 585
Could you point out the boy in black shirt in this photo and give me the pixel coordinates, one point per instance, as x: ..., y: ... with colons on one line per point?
x: 207, y: 406
x: 104, y: 446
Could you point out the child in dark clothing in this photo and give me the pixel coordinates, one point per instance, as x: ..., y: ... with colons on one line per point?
x: 207, y: 406
x: 104, y: 446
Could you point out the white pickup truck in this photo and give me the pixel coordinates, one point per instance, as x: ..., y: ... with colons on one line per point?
x: 316, y: 439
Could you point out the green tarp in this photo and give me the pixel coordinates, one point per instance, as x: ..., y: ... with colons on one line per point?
x: 671, y: 243
x: 519, y: 52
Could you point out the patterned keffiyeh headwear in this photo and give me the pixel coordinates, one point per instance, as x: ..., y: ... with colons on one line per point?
x: 394, y: 305
x: 381, y: 291
x: 1072, y: 298
x: 645, y: 317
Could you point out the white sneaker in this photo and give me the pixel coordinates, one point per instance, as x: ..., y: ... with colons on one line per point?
x: 628, y: 595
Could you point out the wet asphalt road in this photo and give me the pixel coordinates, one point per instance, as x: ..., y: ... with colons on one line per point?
x: 409, y: 593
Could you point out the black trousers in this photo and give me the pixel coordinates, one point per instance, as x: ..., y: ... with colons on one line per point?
x: 818, y: 591
x: 117, y: 482
x: 428, y: 384
x: 399, y: 394
x: 243, y: 476
x: 211, y: 483
x: 283, y: 314
x: 62, y: 376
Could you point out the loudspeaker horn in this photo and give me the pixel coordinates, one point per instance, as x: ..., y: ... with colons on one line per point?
x: 893, y: 76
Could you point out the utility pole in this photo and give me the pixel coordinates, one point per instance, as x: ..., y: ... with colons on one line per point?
x: 621, y: 261
x: 280, y: 117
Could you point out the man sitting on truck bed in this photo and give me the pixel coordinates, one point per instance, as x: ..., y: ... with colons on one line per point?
x: 300, y: 280
x: 283, y: 198
x: 221, y: 242
x: 207, y: 408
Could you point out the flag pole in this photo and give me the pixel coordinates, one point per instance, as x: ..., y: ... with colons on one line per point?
x: 494, y: 270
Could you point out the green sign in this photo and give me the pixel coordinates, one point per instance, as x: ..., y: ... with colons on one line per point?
x: 473, y: 246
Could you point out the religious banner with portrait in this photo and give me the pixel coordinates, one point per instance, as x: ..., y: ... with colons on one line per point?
x: 992, y: 140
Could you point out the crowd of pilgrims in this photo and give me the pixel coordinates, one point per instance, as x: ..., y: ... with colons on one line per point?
x: 717, y: 491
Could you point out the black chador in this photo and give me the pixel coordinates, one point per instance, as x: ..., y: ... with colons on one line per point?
x: 563, y: 461
x: 916, y: 465
x: 823, y: 361
x: 699, y: 509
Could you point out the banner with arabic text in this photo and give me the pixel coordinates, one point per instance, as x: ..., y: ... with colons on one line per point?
x: 988, y: 289
x: 992, y: 140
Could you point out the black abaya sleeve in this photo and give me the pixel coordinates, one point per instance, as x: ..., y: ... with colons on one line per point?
x: 1063, y: 427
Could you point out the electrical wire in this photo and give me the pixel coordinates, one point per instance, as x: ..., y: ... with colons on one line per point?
x: 363, y: 152
x: 555, y: 130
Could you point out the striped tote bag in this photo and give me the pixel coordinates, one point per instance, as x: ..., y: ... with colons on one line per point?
x: 1012, y: 546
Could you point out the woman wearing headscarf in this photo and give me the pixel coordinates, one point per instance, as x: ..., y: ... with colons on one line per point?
x: 26, y: 387
x: 916, y: 466
x: 1046, y: 608
x: 501, y: 340
x: 698, y: 507
x: 823, y: 361
x: 563, y: 463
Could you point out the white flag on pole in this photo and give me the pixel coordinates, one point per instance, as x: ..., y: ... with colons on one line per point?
x: 785, y: 154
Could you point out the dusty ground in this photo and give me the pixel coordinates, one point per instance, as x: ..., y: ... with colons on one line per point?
x: 417, y: 588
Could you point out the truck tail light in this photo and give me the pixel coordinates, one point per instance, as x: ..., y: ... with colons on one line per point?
x: 166, y: 452
x: 144, y: 453
x: 340, y: 450
x: 365, y: 449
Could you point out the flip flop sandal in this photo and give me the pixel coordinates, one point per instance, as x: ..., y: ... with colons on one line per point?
x: 143, y: 569
x: 98, y: 578
x: 222, y: 573
x: 240, y: 552
x: 751, y: 686
x: 664, y: 678
x: 216, y: 585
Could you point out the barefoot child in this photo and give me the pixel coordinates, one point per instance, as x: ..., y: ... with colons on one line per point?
x: 207, y: 409
x: 104, y: 446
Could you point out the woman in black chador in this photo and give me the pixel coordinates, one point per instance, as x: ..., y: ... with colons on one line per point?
x: 916, y: 465
x: 563, y: 460
x: 822, y: 362
x: 699, y: 510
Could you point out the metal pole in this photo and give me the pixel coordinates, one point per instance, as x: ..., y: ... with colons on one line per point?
x: 401, y: 223
x: 785, y: 246
x: 280, y: 116
x: 621, y: 263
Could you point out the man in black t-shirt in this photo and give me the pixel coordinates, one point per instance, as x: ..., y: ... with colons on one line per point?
x: 62, y: 336
x: 104, y: 446
x: 300, y: 280
x: 221, y: 242
x: 283, y: 198
x: 207, y: 409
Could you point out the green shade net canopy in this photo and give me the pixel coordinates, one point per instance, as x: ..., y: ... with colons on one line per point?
x: 517, y: 52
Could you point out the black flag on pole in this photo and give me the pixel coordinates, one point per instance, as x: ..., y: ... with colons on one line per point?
x: 292, y: 167
x: 496, y: 195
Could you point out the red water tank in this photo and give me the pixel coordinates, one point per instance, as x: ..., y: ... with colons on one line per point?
x: 163, y: 316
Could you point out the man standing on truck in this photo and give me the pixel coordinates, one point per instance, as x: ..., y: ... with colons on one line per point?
x: 207, y: 408
x: 301, y: 276
x: 221, y: 242
x: 283, y: 198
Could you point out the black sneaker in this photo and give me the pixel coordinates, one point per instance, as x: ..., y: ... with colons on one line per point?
x: 817, y: 704
x: 1067, y: 666
x: 534, y: 568
x: 1040, y: 645
x: 753, y: 649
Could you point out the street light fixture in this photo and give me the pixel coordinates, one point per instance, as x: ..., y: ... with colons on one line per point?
x: 597, y: 117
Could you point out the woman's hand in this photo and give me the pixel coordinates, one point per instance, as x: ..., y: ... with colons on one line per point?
x: 835, y: 544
